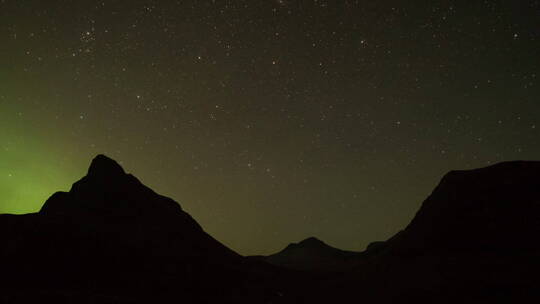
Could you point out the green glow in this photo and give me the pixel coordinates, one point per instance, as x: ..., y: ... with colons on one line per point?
x: 30, y: 170
x: 26, y: 186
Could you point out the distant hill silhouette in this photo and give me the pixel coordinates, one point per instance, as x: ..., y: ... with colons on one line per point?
x: 313, y: 254
x: 111, y: 239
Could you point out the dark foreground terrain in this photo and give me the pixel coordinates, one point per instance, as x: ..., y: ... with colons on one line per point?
x: 110, y: 239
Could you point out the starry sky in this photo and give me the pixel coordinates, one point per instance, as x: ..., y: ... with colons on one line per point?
x: 268, y: 121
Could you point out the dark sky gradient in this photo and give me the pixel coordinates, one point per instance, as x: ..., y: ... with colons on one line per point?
x: 269, y: 121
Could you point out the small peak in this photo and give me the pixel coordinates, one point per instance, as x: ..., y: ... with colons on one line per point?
x: 311, y: 241
x: 103, y: 166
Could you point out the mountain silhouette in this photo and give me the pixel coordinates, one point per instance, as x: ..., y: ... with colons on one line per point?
x: 482, y: 209
x: 474, y: 239
x: 114, y: 237
x: 313, y: 254
x: 111, y: 239
x: 109, y: 196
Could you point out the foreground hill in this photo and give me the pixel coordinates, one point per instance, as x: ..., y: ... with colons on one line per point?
x: 474, y: 239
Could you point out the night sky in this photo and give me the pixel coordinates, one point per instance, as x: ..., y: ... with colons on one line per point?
x: 268, y: 121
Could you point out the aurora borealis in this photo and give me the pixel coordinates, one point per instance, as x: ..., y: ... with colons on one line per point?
x: 268, y: 121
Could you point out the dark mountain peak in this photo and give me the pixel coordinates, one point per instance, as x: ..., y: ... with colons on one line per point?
x: 105, y: 167
x: 107, y: 189
x: 311, y: 245
x: 312, y: 242
x: 312, y: 253
x: 118, y: 205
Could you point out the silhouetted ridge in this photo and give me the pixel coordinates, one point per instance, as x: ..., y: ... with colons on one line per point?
x: 111, y: 239
x: 311, y: 242
x: 486, y: 208
x: 475, y: 237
